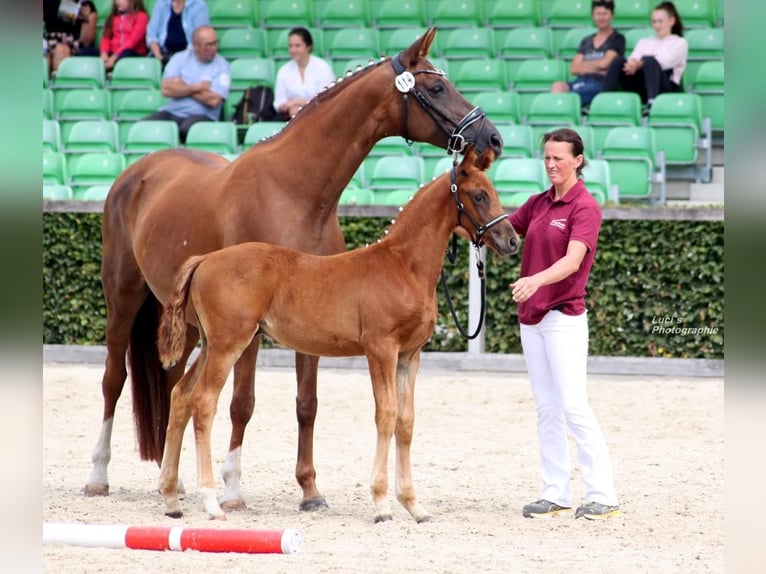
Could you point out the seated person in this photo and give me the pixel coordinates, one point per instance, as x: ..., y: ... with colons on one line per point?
x: 656, y: 64
x: 302, y: 77
x: 594, y: 55
x: 71, y: 37
x: 124, y: 32
x: 172, y: 24
x: 197, y: 81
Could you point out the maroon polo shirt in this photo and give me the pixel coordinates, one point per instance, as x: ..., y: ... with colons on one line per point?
x: 548, y: 226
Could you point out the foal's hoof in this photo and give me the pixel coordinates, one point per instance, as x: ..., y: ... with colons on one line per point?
x: 312, y: 504
x: 383, y: 518
x: 233, y: 505
x: 175, y: 514
x: 96, y: 490
x: 424, y: 518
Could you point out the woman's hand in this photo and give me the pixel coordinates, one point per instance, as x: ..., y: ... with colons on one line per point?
x: 523, y: 288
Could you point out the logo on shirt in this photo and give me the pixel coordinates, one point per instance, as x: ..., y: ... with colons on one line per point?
x: 560, y: 223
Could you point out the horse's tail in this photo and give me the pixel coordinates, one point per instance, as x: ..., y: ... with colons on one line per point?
x: 172, y: 332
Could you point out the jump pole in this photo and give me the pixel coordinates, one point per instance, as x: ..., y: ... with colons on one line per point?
x: 177, y: 538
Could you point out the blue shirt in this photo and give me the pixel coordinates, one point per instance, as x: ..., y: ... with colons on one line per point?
x: 194, y: 14
x: 186, y: 66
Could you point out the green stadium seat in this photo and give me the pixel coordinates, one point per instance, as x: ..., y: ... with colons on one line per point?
x: 88, y: 136
x: 570, y: 14
x: 468, y: 42
x: 259, y: 131
x: 399, y: 171
x: 519, y: 13
x: 598, y: 181
x: 93, y: 193
x: 451, y: 14
x: 216, y: 137
x: 709, y: 85
x: 392, y: 145
x: 396, y: 197
x: 515, y: 198
x: 46, y: 72
x: 281, y: 14
x: 501, y: 106
x: 130, y: 106
x: 350, y: 43
x: 82, y: 104
x: 525, y: 43
x: 536, y: 76
x: 80, y: 72
x: 634, y: 164
x: 48, y: 109
x: 99, y: 168
x: 570, y: 43
x: 705, y: 44
x: 395, y: 40
x: 343, y: 14
x: 357, y: 196
x: 548, y: 111
x: 440, y: 166
x: 133, y: 73
x: 342, y: 67
x: 516, y: 174
x: 633, y: 14
x: 611, y: 109
x: 51, y: 135
x: 696, y: 13
x: 146, y: 136
x: 398, y: 13
x: 479, y: 75
x: 633, y: 35
x: 518, y: 140
x: 588, y: 139
x: 248, y: 42
x: 54, y: 168
x: 57, y: 192
x: 248, y: 72
x: 233, y: 13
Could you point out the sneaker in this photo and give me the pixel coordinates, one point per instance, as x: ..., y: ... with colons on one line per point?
x: 544, y: 508
x: 597, y: 511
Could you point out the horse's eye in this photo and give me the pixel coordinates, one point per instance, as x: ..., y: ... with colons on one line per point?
x: 436, y: 89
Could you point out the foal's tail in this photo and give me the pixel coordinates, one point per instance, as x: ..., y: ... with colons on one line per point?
x: 172, y: 332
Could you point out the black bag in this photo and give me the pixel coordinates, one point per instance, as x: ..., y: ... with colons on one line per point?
x: 256, y: 105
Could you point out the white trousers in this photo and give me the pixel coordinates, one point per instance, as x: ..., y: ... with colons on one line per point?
x: 556, y: 354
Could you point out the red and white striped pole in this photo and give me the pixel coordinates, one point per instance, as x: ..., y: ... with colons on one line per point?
x: 179, y: 538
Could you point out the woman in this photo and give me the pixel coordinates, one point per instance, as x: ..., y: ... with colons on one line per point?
x: 172, y: 24
x: 656, y: 64
x: 561, y: 228
x: 124, y: 32
x: 302, y: 77
x: 76, y: 38
x: 594, y: 55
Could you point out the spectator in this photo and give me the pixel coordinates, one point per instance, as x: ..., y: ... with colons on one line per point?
x: 656, y: 64
x: 197, y: 82
x: 594, y: 55
x: 561, y: 228
x: 67, y: 37
x: 124, y: 32
x: 302, y: 77
x: 172, y: 24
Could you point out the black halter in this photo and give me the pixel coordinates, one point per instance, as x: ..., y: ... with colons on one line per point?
x: 405, y: 83
x: 477, y: 242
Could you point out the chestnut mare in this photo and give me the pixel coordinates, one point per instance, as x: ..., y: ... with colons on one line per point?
x: 378, y: 301
x: 176, y: 203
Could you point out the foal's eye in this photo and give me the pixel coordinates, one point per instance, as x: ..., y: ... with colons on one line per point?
x: 479, y: 198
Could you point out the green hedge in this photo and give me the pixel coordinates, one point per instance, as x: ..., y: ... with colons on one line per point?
x: 661, y: 276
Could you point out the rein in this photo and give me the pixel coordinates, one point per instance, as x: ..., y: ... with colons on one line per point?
x: 405, y: 83
x: 476, y: 241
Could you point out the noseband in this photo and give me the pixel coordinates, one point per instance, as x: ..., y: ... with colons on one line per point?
x: 405, y: 83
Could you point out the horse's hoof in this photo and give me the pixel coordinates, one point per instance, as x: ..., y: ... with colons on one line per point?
x: 312, y: 504
x: 424, y: 518
x: 233, y: 505
x: 96, y: 490
x: 383, y: 518
x: 216, y: 516
x: 175, y: 514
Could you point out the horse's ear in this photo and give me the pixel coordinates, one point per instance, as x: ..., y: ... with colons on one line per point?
x: 485, y: 159
x: 418, y: 49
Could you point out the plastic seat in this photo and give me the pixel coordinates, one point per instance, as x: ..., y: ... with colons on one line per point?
x: 400, y: 171
x: 48, y: 109
x: 441, y: 166
x: 677, y: 122
x: 281, y: 14
x: 242, y: 43
x: 343, y: 13
x: 570, y: 14
x: 392, y: 145
x: 451, y: 14
x: 513, y: 14
x: 467, y: 42
x: 479, y: 75
x: 216, y: 137
x: 536, y: 76
x: 51, y: 135
x: 54, y: 168
x: 93, y: 193
x: 515, y: 198
x: 518, y: 141
x: 611, y: 109
x: 46, y: 72
x: 398, y: 13
x: 395, y: 40
x: 633, y: 35
x: 357, y: 196
x: 588, y: 139
x: 396, y: 197
x: 233, y: 13
x: 553, y: 110
x: 146, y: 136
x: 57, y: 192
x: 259, y: 131
x: 570, y: 42
x: 519, y: 174
x: 277, y: 40
x: 696, y: 13
x: 501, y: 106
x: 524, y: 43
x: 341, y: 67
x: 98, y: 168
x: 634, y: 163
x: 130, y: 106
x: 80, y: 72
x: 353, y: 43
x: 709, y: 85
x: 705, y: 44
x: 247, y: 72
x: 82, y: 104
x: 598, y: 179
x: 92, y: 136
x: 133, y: 73
x: 633, y: 14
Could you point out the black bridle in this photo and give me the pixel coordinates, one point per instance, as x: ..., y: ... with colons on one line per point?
x: 477, y: 242
x: 405, y: 83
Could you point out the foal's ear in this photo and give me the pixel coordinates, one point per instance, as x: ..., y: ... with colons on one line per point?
x: 419, y: 48
x: 485, y: 159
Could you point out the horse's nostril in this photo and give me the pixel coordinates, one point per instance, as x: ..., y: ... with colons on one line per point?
x: 496, y: 142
